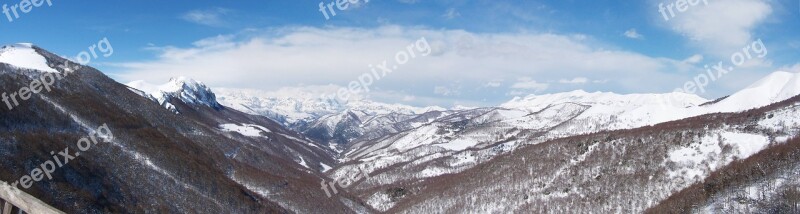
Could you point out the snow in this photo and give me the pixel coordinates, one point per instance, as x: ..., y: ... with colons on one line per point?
x: 538, y: 102
x: 141, y: 158
x: 303, y: 162
x: 459, y: 144
x: 380, y: 201
x: 705, y: 156
x: 463, y: 158
x: 334, y: 148
x: 691, y: 158
x: 422, y: 136
x: 249, y: 130
x: 782, y: 118
x: 298, y: 104
x: 567, y: 114
x: 773, y: 88
x: 258, y: 190
x: 614, y: 111
x: 186, y: 89
x: 432, y: 172
x: 609, y: 111
x: 325, y: 167
x: 553, y: 115
x: 24, y: 56
x: 746, y: 144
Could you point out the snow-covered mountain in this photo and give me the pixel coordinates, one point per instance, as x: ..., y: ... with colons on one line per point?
x: 185, y: 89
x: 327, y: 120
x: 178, y: 149
x: 468, y: 138
x: 23, y: 55
x: 206, y: 159
x: 715, y: 158
x: 184, y: 95
x: 288, y: 106
x: 401, y: 144
x: 716, y: 163
x: 295, y: 106
x: 773, y: 88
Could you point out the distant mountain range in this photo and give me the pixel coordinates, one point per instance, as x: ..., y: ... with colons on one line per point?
x: 186, y: 147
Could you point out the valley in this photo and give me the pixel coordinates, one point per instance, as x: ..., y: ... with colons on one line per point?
x: 245, y: 151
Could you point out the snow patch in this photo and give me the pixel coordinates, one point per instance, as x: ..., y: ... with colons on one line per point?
x: 325, y: 167
x: 249, y: 130
x: 699, y: 159
x: 459, y: 144
x: 24, y: 56
x: 380, y: 201
x: 746, y: 144
x: 303, y: 162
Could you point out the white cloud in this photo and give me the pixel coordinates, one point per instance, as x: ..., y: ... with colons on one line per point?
x: 633, y: 34
x: 408, y: 1
x: 445, y: 91
x: 296, y: 56
x: 451, y: 14
x: 577, y: 80
x: 721, y: 27
x: 529, y: 84
x: 694, y: 59
x: 210, y: 17
x: 494, y: 83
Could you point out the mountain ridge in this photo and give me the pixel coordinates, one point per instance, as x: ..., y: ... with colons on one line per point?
x: 160, y: 161
x: 528, y: 154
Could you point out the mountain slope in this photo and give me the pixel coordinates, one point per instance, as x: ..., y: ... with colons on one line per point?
x: 158, y: 161
x: 614, y: 171
x: 466, y: 139
x: 327, y: 120
x: 763, y: 183
x: 185, y: 89
x: 195, y: 100
x: 773, y: 88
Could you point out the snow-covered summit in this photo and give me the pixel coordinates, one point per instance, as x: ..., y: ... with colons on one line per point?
x: 635, y: 110
x: 674, y: 100
x: 23, y: 55
x: 187, y: 90
x: 773, y: 88
x: 297, y: 105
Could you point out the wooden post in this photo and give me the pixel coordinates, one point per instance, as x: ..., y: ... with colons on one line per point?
x: 7, y: 208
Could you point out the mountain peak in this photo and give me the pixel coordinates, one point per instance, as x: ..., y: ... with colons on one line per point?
x: 605, y: 98
x: 23, y: 55
x: 775, y: 79
x: 186, y: 89
x: 23, y: 44
x: 775, y: 87
x: 182, y: 83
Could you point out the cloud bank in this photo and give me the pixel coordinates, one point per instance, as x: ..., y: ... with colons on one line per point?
x: 464, y: 67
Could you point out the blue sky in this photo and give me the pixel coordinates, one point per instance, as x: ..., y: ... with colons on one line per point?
x: 485, y: 51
